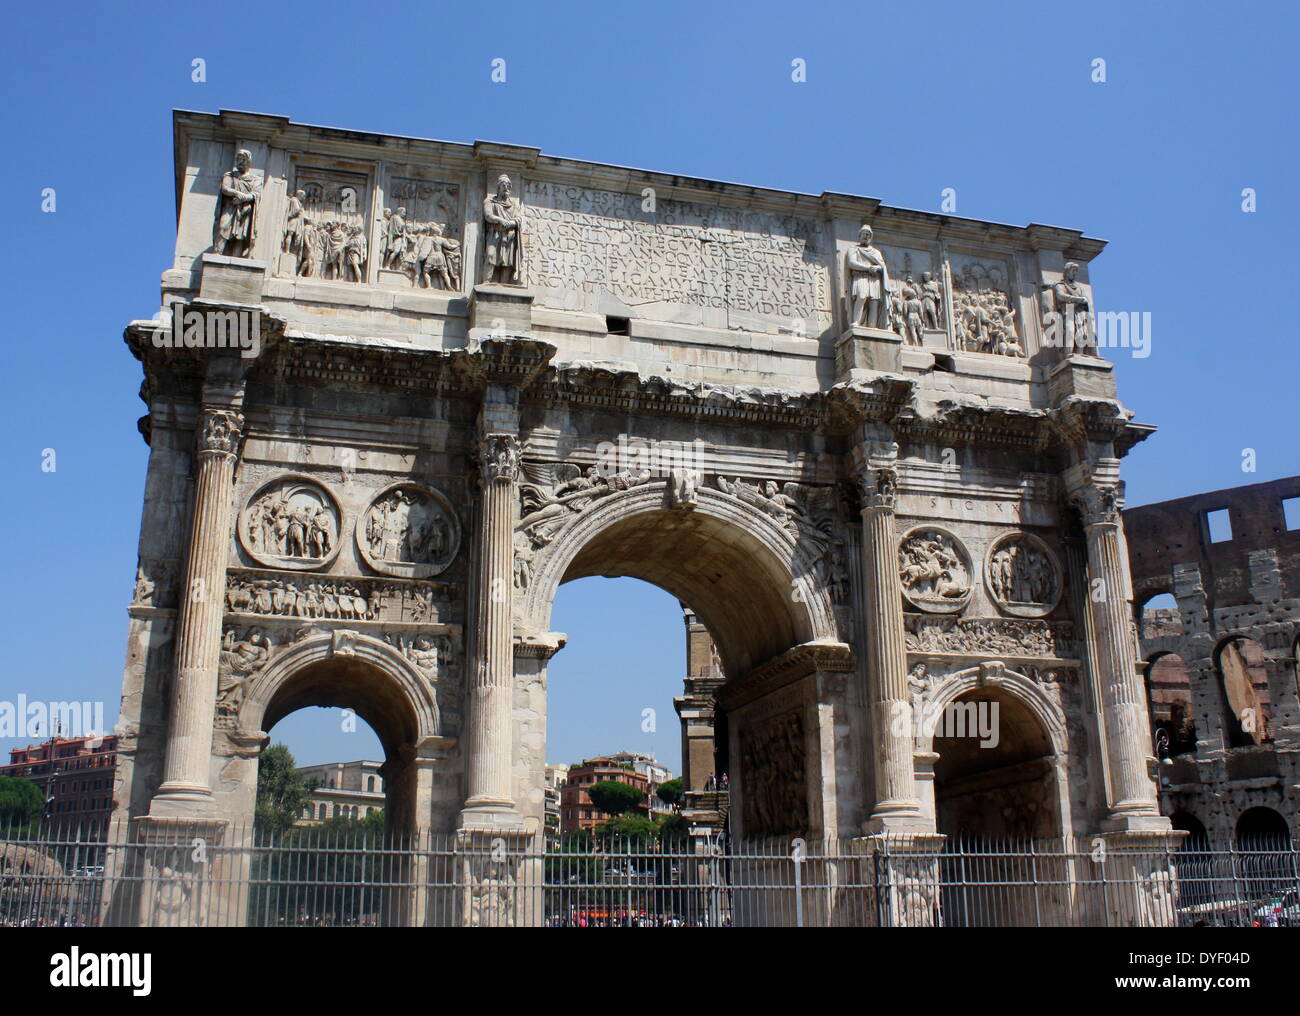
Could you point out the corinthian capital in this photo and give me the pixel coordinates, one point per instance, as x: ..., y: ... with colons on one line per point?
x: 498, y: 458
x: 878, y: 474
x: 219, y: 431
x: 1098, y: 503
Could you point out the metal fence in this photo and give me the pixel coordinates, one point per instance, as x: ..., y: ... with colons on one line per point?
x: 351, y: 877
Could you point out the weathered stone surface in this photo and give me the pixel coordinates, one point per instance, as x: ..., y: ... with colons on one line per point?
x: 484, y: 371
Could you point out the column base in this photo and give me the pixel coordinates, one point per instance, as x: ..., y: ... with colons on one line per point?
x: 182, y: 800
x: 490, y: 816
x: 903, y: 817
x: 1124, y: 820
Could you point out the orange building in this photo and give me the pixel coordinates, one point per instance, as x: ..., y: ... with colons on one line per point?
x: 74, y: 773
x: 576, y: 809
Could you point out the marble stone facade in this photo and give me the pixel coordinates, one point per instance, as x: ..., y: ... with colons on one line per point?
x: 484, y: 371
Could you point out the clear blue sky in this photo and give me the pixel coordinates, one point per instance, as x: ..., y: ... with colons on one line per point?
x: 901, y: 101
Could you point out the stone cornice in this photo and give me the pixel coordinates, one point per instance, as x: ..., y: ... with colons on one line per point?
x: 960, y: 423
x: 292, y: 356
x: 1080, y: 421
x: 792, y: 665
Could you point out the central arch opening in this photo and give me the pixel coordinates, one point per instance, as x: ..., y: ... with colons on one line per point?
x: 740, y: 591
x: 735, y: 600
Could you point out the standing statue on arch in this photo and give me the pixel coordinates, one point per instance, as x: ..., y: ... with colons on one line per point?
x: 503, y: 234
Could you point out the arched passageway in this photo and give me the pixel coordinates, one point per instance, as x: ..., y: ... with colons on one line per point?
x: 997, y: 788
x: 754, y: 585
x: 383, y: 687
x: 995, y: 776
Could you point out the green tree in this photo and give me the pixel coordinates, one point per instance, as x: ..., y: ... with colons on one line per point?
x: 282, y: 791
x: 673, y: 830
x: 21, y: 802
x: 615, y: 797
x: 627, y: 828
x: 671, y: 792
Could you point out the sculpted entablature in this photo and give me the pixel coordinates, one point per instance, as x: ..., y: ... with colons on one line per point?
x: 336, y: 228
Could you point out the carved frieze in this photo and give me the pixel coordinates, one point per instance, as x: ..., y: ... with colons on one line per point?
x: 409, y: 530
x: 421, y: 239
x: 325, y: 226
x: 1030, y: 637
x: 773, y: 757
x: 292, y: 522
x: 1023, y: 576
x: 271, y: 594
x: 915, y: 294
x: 732, y: 264
x: 984, y: 314
x: 934, y: 569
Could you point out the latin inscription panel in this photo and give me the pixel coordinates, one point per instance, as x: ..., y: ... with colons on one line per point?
x: 729, y: 268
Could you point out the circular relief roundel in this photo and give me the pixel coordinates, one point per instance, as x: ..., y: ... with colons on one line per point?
x: 1023, y: 576
x: 409, y: 530
x: 934, y: 570
x: 293, y: 523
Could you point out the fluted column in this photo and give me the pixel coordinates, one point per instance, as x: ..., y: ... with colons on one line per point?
x: 1124, y: 709
x: 897, y: 804
x: 199, y: 613
x: 492, y: 681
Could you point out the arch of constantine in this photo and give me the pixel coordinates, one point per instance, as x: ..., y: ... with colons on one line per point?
x: 872, y: 449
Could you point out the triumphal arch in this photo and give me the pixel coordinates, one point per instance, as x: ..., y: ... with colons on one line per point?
x: 400, y: 390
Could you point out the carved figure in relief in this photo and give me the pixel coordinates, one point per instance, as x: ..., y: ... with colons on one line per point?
x: 913, y: 312
x: 384, y: 238
x: 868, y: 278
x: 407, y: 527
x: 395, y: 238
x: 356, y: 254
x: 437, y: 265
x: 503, y: 234
x: 1022, y: 573
x: 930, y: 568
x: 931, y: 301
x: 144, y: 588
x: 295, y: 224
x: 682, y: 488
x: 523, y: 561
x: 335, y: 238
x: 551, y: 492
x: 235, y: 227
